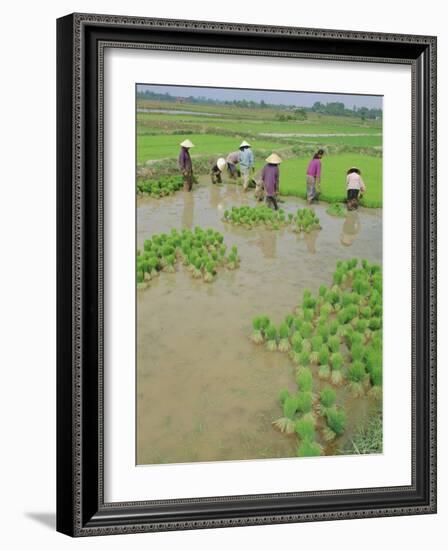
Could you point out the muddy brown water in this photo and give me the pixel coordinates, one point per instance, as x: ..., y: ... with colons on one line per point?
x: 205, y: 392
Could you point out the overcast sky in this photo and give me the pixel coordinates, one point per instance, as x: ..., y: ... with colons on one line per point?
x: 300, y: 99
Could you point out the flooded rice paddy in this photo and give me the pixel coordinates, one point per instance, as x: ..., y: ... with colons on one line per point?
x: 205, y: 392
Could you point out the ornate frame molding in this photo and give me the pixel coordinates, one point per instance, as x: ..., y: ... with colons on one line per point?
x: 82, y: 511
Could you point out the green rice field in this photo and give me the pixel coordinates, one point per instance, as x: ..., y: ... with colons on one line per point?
x: 334, y: 168
x: 217, y: 130
x: 167, y: 146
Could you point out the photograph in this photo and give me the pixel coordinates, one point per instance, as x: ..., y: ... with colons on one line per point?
x: 258, y: 257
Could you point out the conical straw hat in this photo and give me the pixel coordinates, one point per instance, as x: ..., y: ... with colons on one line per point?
x: 221, y: 163
x: 187, y: 143
x: 245, y: 144
x: 274, y: 159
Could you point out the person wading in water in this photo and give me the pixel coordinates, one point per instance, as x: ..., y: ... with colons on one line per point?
x: 246, y: 160
x: 355, y: 186
x: 185, y: 164
x: 270, y: 177
x: 217, y: 170
x: 313, y: 177
x: 233, y: 159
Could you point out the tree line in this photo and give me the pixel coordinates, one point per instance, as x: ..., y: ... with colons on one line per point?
x: 334, y: 108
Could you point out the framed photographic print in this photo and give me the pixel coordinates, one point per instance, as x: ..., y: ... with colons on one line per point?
x: 246, y: 274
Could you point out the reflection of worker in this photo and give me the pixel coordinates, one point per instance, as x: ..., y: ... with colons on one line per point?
x: 217, y: 170
x: 232, y: 161
x: 355, y: 186
x: 350, y: 228
x: 185, y: 164
x: 246, y: 160
x: 310, y: 240
x: 215, y: 196
x: 267, y: 243
x: 270, y: 177
x: 188, y: 211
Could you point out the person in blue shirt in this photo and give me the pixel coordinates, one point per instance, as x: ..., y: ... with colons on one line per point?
x: 246, y: 162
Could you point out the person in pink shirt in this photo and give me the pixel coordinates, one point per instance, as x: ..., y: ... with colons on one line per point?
x: 313, y: 174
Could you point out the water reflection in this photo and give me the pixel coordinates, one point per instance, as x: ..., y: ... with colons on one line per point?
x: 188, y: 210
x: 310, y: 241
x: 267, y: 243
x: 215, y: 196
x: 350, y: 228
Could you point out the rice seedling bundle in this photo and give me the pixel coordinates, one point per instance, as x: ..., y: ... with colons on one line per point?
x: 356, y: 373
x: 162, y: 187
x: 284, y: 344
x: 336, y: 368
x: 305, y: 429
x: 306, y: 329
x: 305, y: 220
x: 309, y: 448
x: 334, y: 343
x: 257, y: 335
x: 271, y: 338
x: 304, y: 402
x: 285, y: 425
x: 304, y: 380
x: 304, y: 358
x: 345, y: 317
x: 253, y: 216
x: 201, y: 251
x: 290, y: 407
x: 283, y: 395
x: 327, y: 397
x: 336, y: 209
x: 336, y: 421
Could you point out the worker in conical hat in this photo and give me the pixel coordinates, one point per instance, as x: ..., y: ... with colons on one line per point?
x: 217, y: 169
x: 246, y: 161
x: 273, y: 159
x: 270, y: 177
x: 185, y: 164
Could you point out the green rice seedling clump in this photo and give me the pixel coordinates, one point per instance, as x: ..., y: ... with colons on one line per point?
x: 306, y: 221
x: 254, y: 216
x: 304, y: 402
x: 271, y: 338
x: 336, y: 421
x: 305, y: 429
x: 283, y: 395
x: 304, y: 380
x: 336, y: 209
x: 161, y: 187
x: 327, y: 397
x: 257, y: 335
x: 202, y: 251
x: 309, y: 448
x: 290, y: 407
x: 284, y: 344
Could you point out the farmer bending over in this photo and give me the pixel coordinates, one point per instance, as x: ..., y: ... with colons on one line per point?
x: 185, y: 164
x: 232, y: 161
x: 355, y: 185
x: 270, y: 177
x: 217, y: 169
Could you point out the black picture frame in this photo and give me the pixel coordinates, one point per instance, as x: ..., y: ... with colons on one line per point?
x: 81, y: 39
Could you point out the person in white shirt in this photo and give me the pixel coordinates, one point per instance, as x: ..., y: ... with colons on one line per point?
x: 355, y: 186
